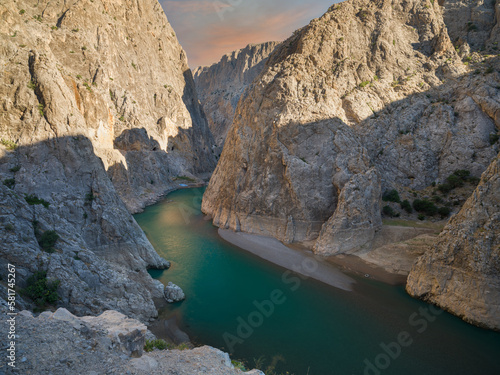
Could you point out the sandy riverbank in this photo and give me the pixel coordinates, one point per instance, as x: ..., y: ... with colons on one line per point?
x: 301, y: 262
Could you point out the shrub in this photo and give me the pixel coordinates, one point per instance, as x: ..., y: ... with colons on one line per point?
x: 462, y: 173
x: 9, y: 182
x: 444, y: 211
x: 454, y: 181
x: 9, y: 227
x: 155, y: 344
x: 238, y: 365
x: 406, y: 205
x: 32, y: 200
x: 47, y: 240
x: 11, y: 146
x: 22, y: 11
x: 41, y: 290
x: 425, y: 206
x: 89, y: 197
x: 445, y: 188
x: 494, y: 138
x: 364, y: 84
x: 389, y: 212
x: 15, y: 169
x: 421, y: 217
x: 391, y: 196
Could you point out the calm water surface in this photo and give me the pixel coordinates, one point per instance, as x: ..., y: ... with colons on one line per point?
x: 312, y: 328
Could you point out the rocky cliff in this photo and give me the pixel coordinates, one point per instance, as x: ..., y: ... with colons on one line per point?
x: 473, y: 25
x: 461, y: 271
x: 369, y: 97
x: 221, y: 85
x: 98, y: 115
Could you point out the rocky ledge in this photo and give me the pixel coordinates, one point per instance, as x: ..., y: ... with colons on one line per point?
x: 61, y: 343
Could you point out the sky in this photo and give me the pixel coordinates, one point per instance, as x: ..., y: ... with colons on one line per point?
x: 208, y: 29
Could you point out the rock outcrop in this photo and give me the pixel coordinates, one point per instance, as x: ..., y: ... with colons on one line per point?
x: 473, y: 25
x: 221, y: 85
x: 173, y: 293
x: 61, y: 343
x: 369, y: 97
x: 461, y: 272
x: 98, y: 116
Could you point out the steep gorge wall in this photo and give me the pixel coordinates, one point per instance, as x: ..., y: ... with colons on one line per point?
x: 98, y: 115
x: 221, y: 85
x: 370, y: 96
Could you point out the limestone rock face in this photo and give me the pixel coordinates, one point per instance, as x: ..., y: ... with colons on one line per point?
x: 173, y: 293
x: 474, y: 24
x: 221, y: 85
x: 98, y: 115
x: 108, y: 343
x: 461, y: 272
x: 368, y: 85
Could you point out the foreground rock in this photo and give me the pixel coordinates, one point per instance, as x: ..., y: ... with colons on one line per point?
x: 61, y: 343
x: 173, y: 293
x: 221, y: 85
x: 98, y: 116
x: 461, y: 272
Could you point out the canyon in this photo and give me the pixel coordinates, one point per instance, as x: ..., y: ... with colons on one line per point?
x: 302, y: 140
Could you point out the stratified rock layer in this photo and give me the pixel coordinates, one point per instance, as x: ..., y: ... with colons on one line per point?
x: 221, y: 85
x: 461, y: 273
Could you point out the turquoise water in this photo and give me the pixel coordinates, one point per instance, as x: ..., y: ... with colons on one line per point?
x: 310, y: 328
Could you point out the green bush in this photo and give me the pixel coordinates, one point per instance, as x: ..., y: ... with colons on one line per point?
x: 454, y: 181
x: 238, y: 365
x: 462, y: 173
x: 494, y: 138
x: 389, y: 212
x: 15, y: 169
x: 40, y: 290
x: 425, y: 206
x: 32, y: 200
x: 444, y: 211
x: 9, y: 182
x: 47, y: 240
x: 155, y: 344
x: 445, y: 188
x: 406, y: 205
x: 421, y: 217
x: 391, y: 196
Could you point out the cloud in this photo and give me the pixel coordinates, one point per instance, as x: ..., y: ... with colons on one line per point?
x: 208, y: 29
x: 193, y: 6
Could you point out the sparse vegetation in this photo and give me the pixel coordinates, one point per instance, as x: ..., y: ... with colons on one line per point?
x: 38, y: 18
x: 406, y: 205
x: 155, y: 344
x: 41, y: 108
x: 425, y: 206
x: 364, y: 84
x: 134, y: 66
x: 494, y: 138
x: 444, y: 211
x: 391, y: 196
x: 389, y: 212
x: 32, y: 200
x: 15, y: 169
x: 455, y: 180
x: 239, y: 365
x: 10, y: 183
x: 42, y: 291
x: 22, y: 11
x: 9, y: 227
x: 11, y: 146
x: 48, y: 240
x: 185, y: 178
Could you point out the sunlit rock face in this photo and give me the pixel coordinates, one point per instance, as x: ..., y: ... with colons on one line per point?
x: 367, y: 85
x: 98, y: 99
